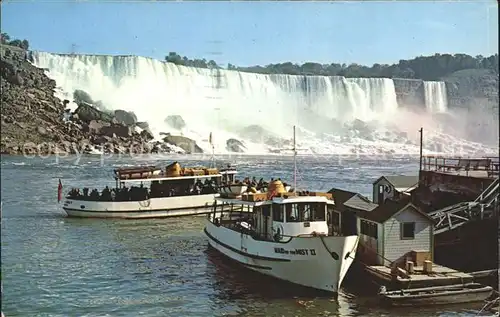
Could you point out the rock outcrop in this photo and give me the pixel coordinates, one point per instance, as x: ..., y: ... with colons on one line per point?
x: 236, y: 146
x: 189, y: 146
x: 175, y: 121
x: 34, y: 121
x: 258, y: 134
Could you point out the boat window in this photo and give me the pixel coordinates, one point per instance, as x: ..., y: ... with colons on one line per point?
x: 318, y: 211
x: 277, y: 213
x: 408, y: 230
x: 303, y: 212
x: 292, y: 213
x: 266, y: 210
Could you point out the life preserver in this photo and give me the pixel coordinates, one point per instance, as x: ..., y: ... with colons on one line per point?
x: 271, y: 194
x: 388, y: 189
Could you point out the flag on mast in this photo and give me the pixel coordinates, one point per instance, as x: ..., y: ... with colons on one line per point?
x: 59, y: 191
x: 210, y: 138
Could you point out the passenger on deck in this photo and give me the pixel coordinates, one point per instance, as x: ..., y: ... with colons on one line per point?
x: 94, y: 194
x: 123, y: 194
x: 106, y: 194
x: 86, y: 192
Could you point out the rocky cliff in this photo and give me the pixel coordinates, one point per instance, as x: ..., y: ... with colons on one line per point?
x: 467, y: 88
x: 34, y: 121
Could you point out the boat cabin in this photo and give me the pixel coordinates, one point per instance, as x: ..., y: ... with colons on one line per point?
x: 276, y: 218
x: 394, y: 231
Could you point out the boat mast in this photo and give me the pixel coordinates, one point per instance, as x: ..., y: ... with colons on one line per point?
x: 213, y: 150
x: 294, y: 162
x: 421, y: 150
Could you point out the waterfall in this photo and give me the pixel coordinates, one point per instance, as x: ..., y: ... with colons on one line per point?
x: 435, y: 96
x: 233, y: 104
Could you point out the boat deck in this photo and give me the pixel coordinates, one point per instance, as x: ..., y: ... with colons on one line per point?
x: 440, y: 276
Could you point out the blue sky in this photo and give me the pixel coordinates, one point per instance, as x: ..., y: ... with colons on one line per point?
x: 250, y: 33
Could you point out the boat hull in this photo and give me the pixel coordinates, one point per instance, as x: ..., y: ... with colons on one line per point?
x: 301, y: 260
x: 438, y: 296
x: 152, y: 208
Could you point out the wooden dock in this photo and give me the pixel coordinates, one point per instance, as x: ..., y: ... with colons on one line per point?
x: 440, y: 276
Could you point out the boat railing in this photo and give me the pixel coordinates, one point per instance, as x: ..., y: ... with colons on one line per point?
x: 490, y: 166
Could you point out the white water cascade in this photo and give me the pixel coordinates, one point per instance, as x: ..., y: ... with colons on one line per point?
x: 225, y: 102
x: 436, y: 100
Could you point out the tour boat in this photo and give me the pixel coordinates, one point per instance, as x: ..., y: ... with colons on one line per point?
x: 173, y: 191
x: 293, y: 236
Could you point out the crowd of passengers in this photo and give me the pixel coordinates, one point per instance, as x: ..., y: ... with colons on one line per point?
x: 139, y: 193
x: 258, y: 185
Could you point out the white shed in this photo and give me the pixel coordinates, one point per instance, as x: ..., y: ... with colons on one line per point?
x: 394, y: 231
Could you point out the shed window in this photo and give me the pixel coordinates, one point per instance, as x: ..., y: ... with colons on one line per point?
x: 369, y: 228
x: 408, y: 230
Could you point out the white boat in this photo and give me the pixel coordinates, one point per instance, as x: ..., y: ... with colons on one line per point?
x: 172, y: 192
x: 287, y: 235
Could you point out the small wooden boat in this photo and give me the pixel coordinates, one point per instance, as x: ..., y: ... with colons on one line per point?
x: 438, y: 295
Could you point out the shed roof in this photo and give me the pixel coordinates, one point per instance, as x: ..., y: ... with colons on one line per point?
x: 400, y: 181
x: 360, y: 202
x: 340, y: 196
x: 388, y: 209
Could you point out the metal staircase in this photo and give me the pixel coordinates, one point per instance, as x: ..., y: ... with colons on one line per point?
x: 484, y: 206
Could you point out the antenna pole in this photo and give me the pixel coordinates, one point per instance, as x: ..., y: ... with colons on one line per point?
x: 213, y: 156
x: 421, y: 147
x: 213, y: 149
x: 294, y: 162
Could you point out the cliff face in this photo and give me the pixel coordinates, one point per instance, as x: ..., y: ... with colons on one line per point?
x: 30, y: 112
x: 471, y: 86
x: 468, y: 89
x: 410, y: 92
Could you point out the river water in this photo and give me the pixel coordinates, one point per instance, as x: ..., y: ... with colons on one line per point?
x: 56, y: 266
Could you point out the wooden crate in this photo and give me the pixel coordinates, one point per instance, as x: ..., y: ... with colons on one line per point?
x: 211, y: 171
x: 256, y: 197
x: 198, y: 172
x: 321, y: 194
x: 286, y: 195
x: 419, y: 257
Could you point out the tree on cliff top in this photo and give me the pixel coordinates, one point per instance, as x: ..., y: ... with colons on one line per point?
x: 175, y: 58
x: 5, y: 39
x: 432, y: 67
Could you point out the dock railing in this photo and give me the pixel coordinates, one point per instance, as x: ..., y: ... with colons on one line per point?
x: 483, y: 166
